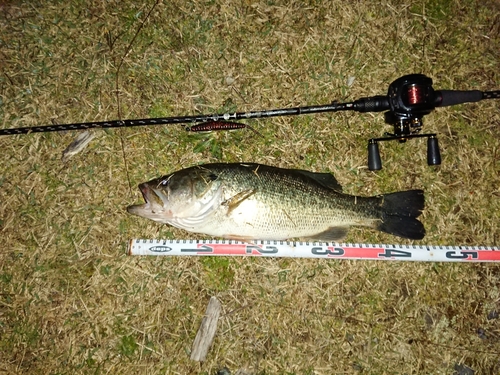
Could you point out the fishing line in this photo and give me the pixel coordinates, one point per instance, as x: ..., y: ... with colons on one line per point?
x: 117, y: 80
x: 317, y: 250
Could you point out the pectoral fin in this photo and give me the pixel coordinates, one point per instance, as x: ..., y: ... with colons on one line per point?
x: 331, y: 234
x: 235, y: 200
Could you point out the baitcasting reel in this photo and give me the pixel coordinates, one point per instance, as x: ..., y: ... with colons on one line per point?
x: 410, y: 98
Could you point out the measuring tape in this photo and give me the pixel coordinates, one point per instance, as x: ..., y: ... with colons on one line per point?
x: 320, y: 250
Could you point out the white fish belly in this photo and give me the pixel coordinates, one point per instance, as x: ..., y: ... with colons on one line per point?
x: 252, y: 219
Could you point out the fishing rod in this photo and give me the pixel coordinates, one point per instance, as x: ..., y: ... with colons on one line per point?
x: 408, y: 100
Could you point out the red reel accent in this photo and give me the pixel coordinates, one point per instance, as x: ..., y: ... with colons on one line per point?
x: 415, y: 95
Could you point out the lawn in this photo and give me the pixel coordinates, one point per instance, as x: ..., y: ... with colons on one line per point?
x: 73, y: 302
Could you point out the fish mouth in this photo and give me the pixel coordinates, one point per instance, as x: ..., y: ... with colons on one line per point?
x: 152, y: 207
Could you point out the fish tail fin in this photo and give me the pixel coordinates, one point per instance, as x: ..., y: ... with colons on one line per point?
x: 399, y: 214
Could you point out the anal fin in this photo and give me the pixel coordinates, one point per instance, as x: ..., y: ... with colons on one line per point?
x: 331, y: 234
x: 236, y: 237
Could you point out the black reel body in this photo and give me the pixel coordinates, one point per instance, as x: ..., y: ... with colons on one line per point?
x: 411, y: 96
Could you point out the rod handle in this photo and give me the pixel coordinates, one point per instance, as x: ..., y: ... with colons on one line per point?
x: 372, y: 104
x: 446, y: 98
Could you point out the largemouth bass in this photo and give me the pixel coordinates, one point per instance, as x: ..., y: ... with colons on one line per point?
x: 247, y: 201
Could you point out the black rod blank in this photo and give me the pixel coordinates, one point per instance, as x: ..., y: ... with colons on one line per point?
x: 370, y: 104
x: 181, y: 119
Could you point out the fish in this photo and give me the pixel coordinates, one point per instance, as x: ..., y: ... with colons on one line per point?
x: 250, y: 201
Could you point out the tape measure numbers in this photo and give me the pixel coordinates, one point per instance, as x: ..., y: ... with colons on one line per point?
x: 320, y: 250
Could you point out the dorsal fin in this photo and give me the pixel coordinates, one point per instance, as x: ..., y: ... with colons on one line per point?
x: 325, y: 179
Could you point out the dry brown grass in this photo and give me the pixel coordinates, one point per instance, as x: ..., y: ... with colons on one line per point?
x: 72, y: 302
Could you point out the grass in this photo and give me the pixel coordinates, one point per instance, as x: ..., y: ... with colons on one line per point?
x: 72, y: 301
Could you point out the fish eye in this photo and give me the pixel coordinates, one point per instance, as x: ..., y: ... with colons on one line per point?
x: 165, y: 181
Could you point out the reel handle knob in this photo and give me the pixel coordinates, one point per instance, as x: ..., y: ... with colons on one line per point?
x: 374, y: 162
x: 433, y: 153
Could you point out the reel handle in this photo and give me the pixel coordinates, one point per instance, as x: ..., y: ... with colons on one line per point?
x: 433, y: 153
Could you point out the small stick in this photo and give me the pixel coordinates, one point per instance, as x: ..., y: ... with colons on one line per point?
x: 78, y: 144
x: 206, y: 332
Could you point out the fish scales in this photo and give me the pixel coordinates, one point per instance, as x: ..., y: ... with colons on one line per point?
x: 287, y: 201
x: 253, y: 201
